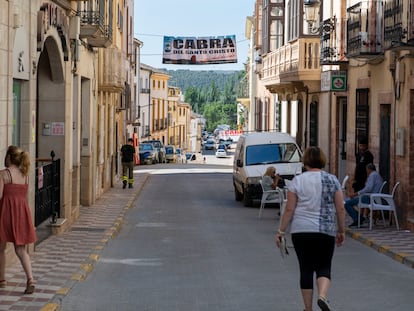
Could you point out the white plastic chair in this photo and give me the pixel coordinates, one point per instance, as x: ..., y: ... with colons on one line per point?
x: 384, y: 202
x: 367, y: 205
x: 268, y: 196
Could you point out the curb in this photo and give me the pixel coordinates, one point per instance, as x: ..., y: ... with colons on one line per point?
x: 87, y: 267
x: 385, y: 249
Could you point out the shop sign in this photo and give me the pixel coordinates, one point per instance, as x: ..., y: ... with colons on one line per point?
x: 335, y: 81
x: 49, y: 16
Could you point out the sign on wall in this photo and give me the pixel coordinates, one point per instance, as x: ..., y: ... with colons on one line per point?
x: 199, y: 50
x: 335, y: 80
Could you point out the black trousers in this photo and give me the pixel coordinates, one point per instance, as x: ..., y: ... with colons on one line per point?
x: 314, y: 251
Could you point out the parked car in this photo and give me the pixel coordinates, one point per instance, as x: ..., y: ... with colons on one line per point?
x: 221, y: 153
x: 254, y: 153
x: 227, y: 142
x: 190, y: 157
x: 148, y: 154
x: 210, y: 144
x: 170, y: 154
x: 160, y: 148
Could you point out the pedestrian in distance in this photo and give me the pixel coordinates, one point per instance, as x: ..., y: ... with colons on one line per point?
x: 373, y: 185
x: 363, y: 158
x: 127, y: 159
x: 316, y: 215
x: 16, y: 225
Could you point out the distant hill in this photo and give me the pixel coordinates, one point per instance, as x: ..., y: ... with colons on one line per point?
x: 185, y: 78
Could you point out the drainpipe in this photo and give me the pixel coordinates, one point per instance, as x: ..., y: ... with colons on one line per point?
x: 330, y: 133
x: 306, y: 118
x: 149, y: 106
x: 138, y: 88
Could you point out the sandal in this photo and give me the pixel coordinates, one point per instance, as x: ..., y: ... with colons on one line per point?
x: 30, y: 287
x: 3, y: 283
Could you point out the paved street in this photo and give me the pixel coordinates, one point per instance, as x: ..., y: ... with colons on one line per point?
x: 195, y: 248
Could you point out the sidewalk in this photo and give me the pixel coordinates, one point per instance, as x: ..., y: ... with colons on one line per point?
x: 62, y: 260
x: 399, y: 245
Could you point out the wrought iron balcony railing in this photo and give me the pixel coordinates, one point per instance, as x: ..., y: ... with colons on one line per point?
x: 93, y: 29
x: 333, y: 41
x: 364, y: 29
x: 243, y: 88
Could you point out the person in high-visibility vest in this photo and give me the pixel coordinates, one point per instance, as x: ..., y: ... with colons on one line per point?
x: 127, y: 154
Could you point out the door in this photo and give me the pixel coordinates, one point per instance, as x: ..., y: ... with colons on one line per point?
x: 384, y: 143
x: 341, y: 121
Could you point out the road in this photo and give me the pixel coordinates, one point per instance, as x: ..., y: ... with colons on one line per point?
x: 187, y: 245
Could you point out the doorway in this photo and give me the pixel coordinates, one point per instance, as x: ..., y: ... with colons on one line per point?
x: 384, y: 142
x: 342, y: 121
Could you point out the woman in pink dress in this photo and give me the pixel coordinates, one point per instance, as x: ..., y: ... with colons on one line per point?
x: 16, y: 225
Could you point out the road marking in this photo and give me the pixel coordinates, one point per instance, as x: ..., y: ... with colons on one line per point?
x: 159, y: 171
x: 151, y: 224
x: 133, y: 261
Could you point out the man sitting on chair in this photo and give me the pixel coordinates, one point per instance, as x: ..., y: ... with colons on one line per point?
x: 373, y: 185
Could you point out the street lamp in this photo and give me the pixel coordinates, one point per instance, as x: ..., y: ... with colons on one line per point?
x: 311, y: 10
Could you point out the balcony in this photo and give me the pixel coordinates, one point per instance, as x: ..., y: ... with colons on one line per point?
x: 333, y: 42
x: 364, y: 30
x: 243, y: 88
x: 93, y: 29
x: 111, y: 70
x: 398, y: 33
x: 292, y: 64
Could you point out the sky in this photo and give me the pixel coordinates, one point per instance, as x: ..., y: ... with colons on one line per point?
x: 190, y: 18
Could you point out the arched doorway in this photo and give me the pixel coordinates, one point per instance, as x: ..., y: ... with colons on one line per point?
x: 50, y: 133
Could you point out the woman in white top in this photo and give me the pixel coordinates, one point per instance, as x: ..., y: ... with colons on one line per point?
x: 315, y: 211
x: 270, y: 180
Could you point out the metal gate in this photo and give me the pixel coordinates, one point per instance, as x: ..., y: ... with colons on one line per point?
x: 47, y: 191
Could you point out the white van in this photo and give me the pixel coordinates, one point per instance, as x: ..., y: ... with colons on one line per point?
x: 254, y: 153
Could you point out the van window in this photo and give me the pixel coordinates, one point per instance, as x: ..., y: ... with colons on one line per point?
x: 272, y: 153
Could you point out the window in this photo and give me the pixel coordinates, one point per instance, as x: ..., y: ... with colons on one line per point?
x: 17, y: 93
x: 120, y: 19
x: 272, y: 153
x: 362, y: 114
x: 313, y: 124
x: 258, y: 114
x: 272, y: 24
x: 278, y: 116
x: 294, y: 7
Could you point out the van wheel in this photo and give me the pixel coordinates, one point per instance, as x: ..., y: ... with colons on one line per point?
x: 247, y: 200
x: 237, y: 195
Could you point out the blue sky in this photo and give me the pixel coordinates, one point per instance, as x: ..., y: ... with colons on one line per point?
x: 193, y: 18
